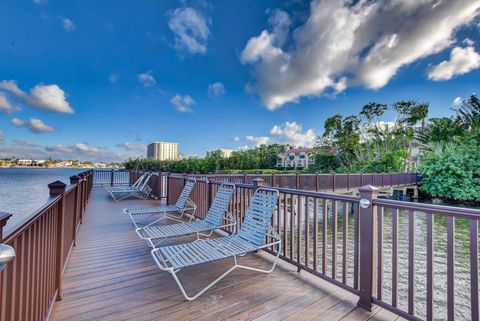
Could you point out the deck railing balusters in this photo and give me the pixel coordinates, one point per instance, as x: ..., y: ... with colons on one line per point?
x: 380, y: 253
x: 430, y: 253
x: 324, y: 236
x: 334, y: 239
x: 451, y: 268
x: 345, y: 243
x: 474, y: 268
x: 411, y: 262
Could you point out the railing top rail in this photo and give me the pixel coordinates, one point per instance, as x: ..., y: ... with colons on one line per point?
x: 306, y: 193
x: 14, y: 229
x: 430, y: 208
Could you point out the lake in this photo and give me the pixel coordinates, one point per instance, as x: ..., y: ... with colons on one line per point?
x: 23, y: 190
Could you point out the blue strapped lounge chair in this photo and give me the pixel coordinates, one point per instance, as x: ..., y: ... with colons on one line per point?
x: 154, y: 234
x: 142, y: 190
x: 137, y: 183
x: 251, y: 237
x: 142, y: 216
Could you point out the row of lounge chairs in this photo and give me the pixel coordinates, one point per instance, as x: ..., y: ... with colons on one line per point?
x: 139, y: 189
x: 255, y: 233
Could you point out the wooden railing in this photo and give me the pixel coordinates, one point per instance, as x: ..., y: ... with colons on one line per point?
x: 33, y: 281
x: 111, y: 177
x: 370, y: 247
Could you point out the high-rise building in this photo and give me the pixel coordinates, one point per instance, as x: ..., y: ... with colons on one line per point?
x: 223, y: 152
x: 162, y: 151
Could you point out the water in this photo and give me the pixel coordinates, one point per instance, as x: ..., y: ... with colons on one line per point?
x: 23, y: 190
x: 462, y: 257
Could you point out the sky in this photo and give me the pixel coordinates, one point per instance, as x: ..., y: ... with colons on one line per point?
x: 98, y: 80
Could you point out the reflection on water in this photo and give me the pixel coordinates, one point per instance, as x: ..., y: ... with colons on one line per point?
x: 23, y: 190
x: 462, y: 256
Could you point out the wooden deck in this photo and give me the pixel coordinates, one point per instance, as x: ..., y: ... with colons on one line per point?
x: 111, y: 276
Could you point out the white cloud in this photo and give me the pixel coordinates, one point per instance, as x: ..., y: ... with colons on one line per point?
x: 216, y: 89
x: 132, y: 147
x: 291, y: 133
x: 25, y: 143
x: 68, y: 24
x: 113, y: 78
x: 457, y: 101
x: 182, y: 103
x: 236, y: 138
x: 345, y: 43
x: 147, y: 79
x: 58, y: 149
x: 190, y: 29
x: 258, y: 140
x: 462, y: 61
x: 469, y: 42
x: 6, y: 106
x: 17, y: 122
x: 44, y: 97
x: 35, y: 125
x: 85, y: 148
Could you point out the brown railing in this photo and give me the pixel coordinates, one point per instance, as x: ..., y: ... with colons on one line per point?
x: 324, y: 182
x: 33, y: 281
x: 383, y: 251
x: 111, y: 177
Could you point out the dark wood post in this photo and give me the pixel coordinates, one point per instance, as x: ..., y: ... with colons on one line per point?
x: 297, y: 181
x: 76, y: 212
x: 333, y: 181
x: 209, y: 193
x: 257, y: 182
x: 317, y: 182
x: 3, y: 221
x: 57, y: 188
x: 167, y: 185
x: 111, y: 177
x: 274, y: 180
x: 368, y: 243
x: 348, y: 181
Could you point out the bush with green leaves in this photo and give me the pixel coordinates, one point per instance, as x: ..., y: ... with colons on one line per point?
x: 453, y: 171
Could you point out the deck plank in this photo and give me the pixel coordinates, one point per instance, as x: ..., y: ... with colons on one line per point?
x: 111, y: 276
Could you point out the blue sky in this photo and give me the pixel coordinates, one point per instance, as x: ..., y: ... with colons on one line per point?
x: 98, y: 80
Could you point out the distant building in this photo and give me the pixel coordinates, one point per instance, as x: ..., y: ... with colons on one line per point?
x: 296, y: 158
x: 223, y: 152
x: 24, y: 162
x: 162, y: 151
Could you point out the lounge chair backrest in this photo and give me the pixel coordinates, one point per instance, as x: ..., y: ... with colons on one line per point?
x: 183, y: 198
x: 145, y: 182
x: 259, y: 215
x: 139, y: 181
x: 220, y: 203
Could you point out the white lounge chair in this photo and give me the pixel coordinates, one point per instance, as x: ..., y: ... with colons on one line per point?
x: 141, y: 191
x: 251, y: 237
x: 217, y: 217
x: 142, y: 216
x: 137, y: 183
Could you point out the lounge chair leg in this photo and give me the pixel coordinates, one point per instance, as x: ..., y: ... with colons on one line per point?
x: 235, y: 266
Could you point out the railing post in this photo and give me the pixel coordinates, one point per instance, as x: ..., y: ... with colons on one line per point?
x: 257, y: 182
x: 111, y: 177
x: 274, y: 180
x: 3, y: 221
x: 348, y: 181
x: 57, y: 188
x: 297, y: 181
x: 167, y: 185
x: 368, y: 243
x: 76, y: 216
x: 334, y: 179
x: 317, y: 182
x: 209, y: 193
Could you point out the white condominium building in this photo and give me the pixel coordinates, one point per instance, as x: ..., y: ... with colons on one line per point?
x: 162, y: 151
